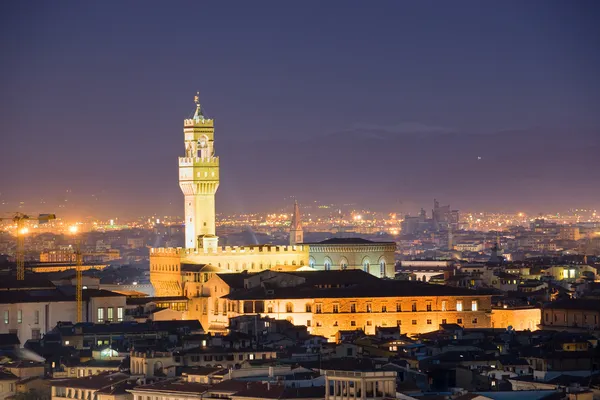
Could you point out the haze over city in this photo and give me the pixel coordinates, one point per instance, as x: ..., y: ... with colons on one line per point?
x: 492, y: 107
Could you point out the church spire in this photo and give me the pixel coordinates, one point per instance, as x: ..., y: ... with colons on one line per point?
x: 296, y: 233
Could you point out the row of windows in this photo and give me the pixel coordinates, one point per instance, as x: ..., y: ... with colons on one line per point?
x: 236, y: 266
x: 229, y: 357
x: 335, y: 308
x: 177, y: 306
x: 398, y: 322
x: 36, y: 317
x: 585, y: 318
x: 109, y: 314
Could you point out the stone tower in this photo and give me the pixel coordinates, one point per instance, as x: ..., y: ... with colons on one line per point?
x: 199, y: 180
x: 296, y: 233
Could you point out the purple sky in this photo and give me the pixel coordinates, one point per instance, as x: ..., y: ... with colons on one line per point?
x: 364, y: 102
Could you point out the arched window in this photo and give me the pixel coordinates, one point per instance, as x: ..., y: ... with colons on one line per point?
x: 327, y: 264
x: 366, y: 264
x: 343, y: 263
x: 311, y: 262
x: 289, y: 307
x: 382, y: 267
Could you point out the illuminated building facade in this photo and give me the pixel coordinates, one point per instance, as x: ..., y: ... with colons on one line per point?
x: 181, y: 271
x: 329, y: 301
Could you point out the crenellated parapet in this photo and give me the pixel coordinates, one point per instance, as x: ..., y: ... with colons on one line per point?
x: 354, y: 248
x: 199, y: 161
x: 228, y: 250
x: 198, y: 123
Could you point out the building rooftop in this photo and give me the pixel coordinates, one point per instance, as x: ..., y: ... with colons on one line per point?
x: 174, y: 385
x: 9, y: 339
x: 330, y: 287
x: 138, y: 301
x: 349, y: 241
x: 93, y: 382
x: 575, y: 304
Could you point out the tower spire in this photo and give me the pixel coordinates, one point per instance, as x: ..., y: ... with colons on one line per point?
x: 198, y: 113
x: 296, y: 232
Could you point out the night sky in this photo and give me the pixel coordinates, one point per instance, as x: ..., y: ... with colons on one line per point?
x: 387, y: 104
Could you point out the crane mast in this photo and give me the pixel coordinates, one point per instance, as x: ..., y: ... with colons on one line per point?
x: 19, y: 219
x: 79, y: 283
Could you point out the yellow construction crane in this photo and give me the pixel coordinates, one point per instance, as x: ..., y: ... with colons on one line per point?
x: 20, y: 219
x: 78, y: 276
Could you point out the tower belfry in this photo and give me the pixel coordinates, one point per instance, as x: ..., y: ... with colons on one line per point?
x: 199, y: 180
x: 296, y: 232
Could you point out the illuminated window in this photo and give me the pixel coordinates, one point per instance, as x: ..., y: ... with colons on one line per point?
x: 289, y: 308
x: 459, y: 305
x: 100, y: 314
x: 474, y: 305
x: 369, y: 309
x: 366, y: 265
x: 318, y: 308
x: 308, y: 308
x: 382, y: 268
x: 36, y: 317
x: 19, y: 316
x: 336, y: 308
x: 109, y: 314
x: 353, y: 307
x: 398, y: 307
x: 443, y: 305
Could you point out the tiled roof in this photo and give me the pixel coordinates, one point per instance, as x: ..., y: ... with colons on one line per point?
x: 349, y: 241
x: 174, y: 385
x: 145, y: 300
x: 574, y: 304
x: 94, y: 382
x: 375, y: 289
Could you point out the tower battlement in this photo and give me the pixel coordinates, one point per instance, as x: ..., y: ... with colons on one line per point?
x: 199, y: 123
x: 193, y: 161
x: 227, y: 250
